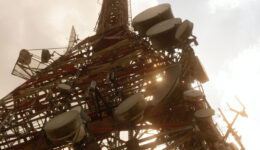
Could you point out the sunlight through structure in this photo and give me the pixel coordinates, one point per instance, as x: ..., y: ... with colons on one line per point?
x: 134, y: 85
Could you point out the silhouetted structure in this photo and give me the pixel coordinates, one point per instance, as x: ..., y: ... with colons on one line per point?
x: 146, y: 82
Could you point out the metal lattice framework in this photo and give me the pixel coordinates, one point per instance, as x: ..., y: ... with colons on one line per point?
x: 134, y: 64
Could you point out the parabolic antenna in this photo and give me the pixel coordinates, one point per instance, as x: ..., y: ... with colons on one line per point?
x: 131, y: 108
x: 168, y: 85
x: 184, y: 31
x: 143, y: 21
x: 25, y: 57
x: 45, y: 56
x: 163, y: 34
x: 63, y: 126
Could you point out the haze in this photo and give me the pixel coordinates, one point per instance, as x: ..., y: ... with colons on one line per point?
x: 227, y: 30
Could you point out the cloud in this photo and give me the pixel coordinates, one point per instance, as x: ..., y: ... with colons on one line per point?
x: 216, y: 5
x: 240, y: 77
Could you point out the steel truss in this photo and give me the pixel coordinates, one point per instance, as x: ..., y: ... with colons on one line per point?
x: 133, y: 63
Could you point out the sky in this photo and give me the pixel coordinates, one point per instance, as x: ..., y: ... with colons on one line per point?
x: 227, y: 30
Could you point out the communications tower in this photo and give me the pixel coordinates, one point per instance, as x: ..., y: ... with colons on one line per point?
x: 135, y: 85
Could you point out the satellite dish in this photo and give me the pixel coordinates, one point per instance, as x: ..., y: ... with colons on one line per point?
x: 184, y: 31
x: 64, y: 126
x: 162, y: 34
x: 168, y: 85
x: 146, y: 19
x: 131, y: 108
x: 46, y: 56
x: 193, y: 95
x: 204, y: 113
x: 25, y: 57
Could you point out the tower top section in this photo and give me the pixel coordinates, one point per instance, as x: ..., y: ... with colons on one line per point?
x: 114, y: 13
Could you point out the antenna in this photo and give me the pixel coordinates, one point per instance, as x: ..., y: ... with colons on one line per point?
x: 107, y: 85
x: 72, y: 40
x: 230, y: 125
x: 130, y: 12
x: 242, y: 112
